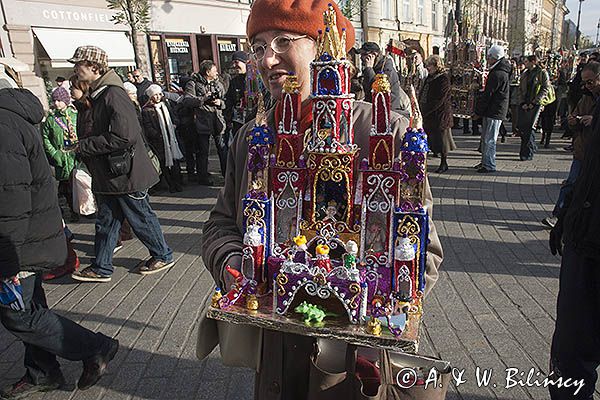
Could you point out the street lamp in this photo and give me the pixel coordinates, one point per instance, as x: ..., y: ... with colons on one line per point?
x: 577, y: 33
x: 598, y: 33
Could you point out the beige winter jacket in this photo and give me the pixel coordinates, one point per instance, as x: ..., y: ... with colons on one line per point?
x: 222, y: 237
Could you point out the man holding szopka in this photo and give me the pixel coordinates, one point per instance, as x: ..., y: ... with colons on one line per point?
x: 282, y: 34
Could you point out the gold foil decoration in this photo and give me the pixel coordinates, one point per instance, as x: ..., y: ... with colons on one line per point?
x: 330, y: 41
x: 381, y: 84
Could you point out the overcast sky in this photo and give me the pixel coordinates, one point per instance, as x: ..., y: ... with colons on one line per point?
x: 590, y: 12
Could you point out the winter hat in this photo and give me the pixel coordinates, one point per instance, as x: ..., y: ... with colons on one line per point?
x: 304, y: 17
x: 61, y: 94
x: 240, y: 56
x: 496, y: 52
x: 370, y: 47
x: 153, y: 89
x: 130, y: 88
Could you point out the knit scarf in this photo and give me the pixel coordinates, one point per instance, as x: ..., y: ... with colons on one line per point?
x: 69, y: 132
x: 172, y: 151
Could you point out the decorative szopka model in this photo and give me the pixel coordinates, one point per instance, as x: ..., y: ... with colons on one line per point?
x: 322, y: 226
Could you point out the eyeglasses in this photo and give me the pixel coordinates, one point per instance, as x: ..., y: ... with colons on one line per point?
x: 591, y: 81
x: 136, y: 76
x: 279, y: 45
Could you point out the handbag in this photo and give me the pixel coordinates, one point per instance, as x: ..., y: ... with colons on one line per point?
x: 347, y: 385
x: 119, y: 162
x: 83, y: 198
x: 154, y: 160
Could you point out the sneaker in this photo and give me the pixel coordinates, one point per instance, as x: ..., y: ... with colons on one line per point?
x: 88, y: 275
x: 153, y: 266
x: 550, y: 221
x: 118, y: 247
x: 484, y: 170
x: 94, y: 367
x: 478, y: 166
x: 25, y: 387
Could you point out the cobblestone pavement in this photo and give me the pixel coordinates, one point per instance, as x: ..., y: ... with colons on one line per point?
x: 493, y: 307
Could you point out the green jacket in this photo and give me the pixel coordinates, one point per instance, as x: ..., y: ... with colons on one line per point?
x: 53, y: 135
x: 534, y: 85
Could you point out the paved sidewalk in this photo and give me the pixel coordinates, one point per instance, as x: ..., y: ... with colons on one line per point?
x: 493, y: 306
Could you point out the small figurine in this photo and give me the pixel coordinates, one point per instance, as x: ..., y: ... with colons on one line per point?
x: 251, y: 302
x: 374, y: 326
x: 300, y: 250
x: 216, y: 297
x: 351, y: 253
x: 312, y: 313
x: 375, y: 238
x: 404, y: 269
x: 323, y: 260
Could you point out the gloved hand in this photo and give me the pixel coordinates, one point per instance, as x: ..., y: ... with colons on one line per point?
x: 555, y: 241
x: 235, y: 262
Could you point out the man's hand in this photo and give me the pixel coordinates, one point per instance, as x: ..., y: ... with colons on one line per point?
x: 572, y: 119
x: 217, y: 102
x: 368, y: 60
x: 586, y: 120
x: 555, y: 242
x: 235, y: 262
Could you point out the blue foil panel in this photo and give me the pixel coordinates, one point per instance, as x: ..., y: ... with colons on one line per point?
x: 415, y: 225
x: 257, y: 211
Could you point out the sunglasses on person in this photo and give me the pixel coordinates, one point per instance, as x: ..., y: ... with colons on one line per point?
x: 591, y: 81
x: 280, y: 44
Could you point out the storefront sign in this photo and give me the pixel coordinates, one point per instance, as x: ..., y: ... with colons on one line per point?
x: 227, y: 47
x: 178, y: 45
x: 59, y: 16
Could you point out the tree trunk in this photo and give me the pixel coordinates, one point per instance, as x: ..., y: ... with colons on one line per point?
x: 135, y: 42
x: 134, y: 32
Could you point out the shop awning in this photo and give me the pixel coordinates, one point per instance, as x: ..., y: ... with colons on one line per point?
x: 60, y: 44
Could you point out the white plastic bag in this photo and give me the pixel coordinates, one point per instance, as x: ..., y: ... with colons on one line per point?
x: 83, y: 198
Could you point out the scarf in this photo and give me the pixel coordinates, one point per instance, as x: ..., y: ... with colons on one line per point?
x: 172, y: 151
x: 69, y: 132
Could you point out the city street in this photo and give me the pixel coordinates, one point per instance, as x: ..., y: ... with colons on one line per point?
x: 493, y: 306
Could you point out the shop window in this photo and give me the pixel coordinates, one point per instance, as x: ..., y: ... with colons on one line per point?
x: 226, y: 46
x: 156, y: 57
x: 179, y: 57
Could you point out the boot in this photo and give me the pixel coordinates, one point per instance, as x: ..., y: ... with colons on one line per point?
x: 71, y: 265
x: 443, y: 165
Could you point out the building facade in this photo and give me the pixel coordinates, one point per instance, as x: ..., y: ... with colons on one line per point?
x: 183, y: 33
x: 536, y: 26
x: 486, y: 21
x: 42, y: 35
x: 551, y: 24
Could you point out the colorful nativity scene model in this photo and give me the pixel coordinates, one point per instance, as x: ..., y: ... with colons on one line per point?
x: 330, y: 237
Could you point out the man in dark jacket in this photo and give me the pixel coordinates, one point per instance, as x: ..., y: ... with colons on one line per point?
x: 375, y: 63
x: 207, y: 97
x: 534, y: 87
x: 142, y: 84
x: 31, y: 242
x: 575, y: 352
x: 235, y: 110
x: 121, y: 170
x: 492, y: 105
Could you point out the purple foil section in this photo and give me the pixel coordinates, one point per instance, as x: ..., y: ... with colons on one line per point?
x: 257, y: 158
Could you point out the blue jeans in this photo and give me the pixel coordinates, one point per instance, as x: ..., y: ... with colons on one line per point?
x: 489, y: 135
x: 112, y: 209
x: 567, y: 187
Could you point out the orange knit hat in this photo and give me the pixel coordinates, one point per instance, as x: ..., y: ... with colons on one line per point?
x: 299, y: 16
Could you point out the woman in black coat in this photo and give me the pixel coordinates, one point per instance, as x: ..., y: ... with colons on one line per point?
x: 159, y: 123
x: 436, y: 109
